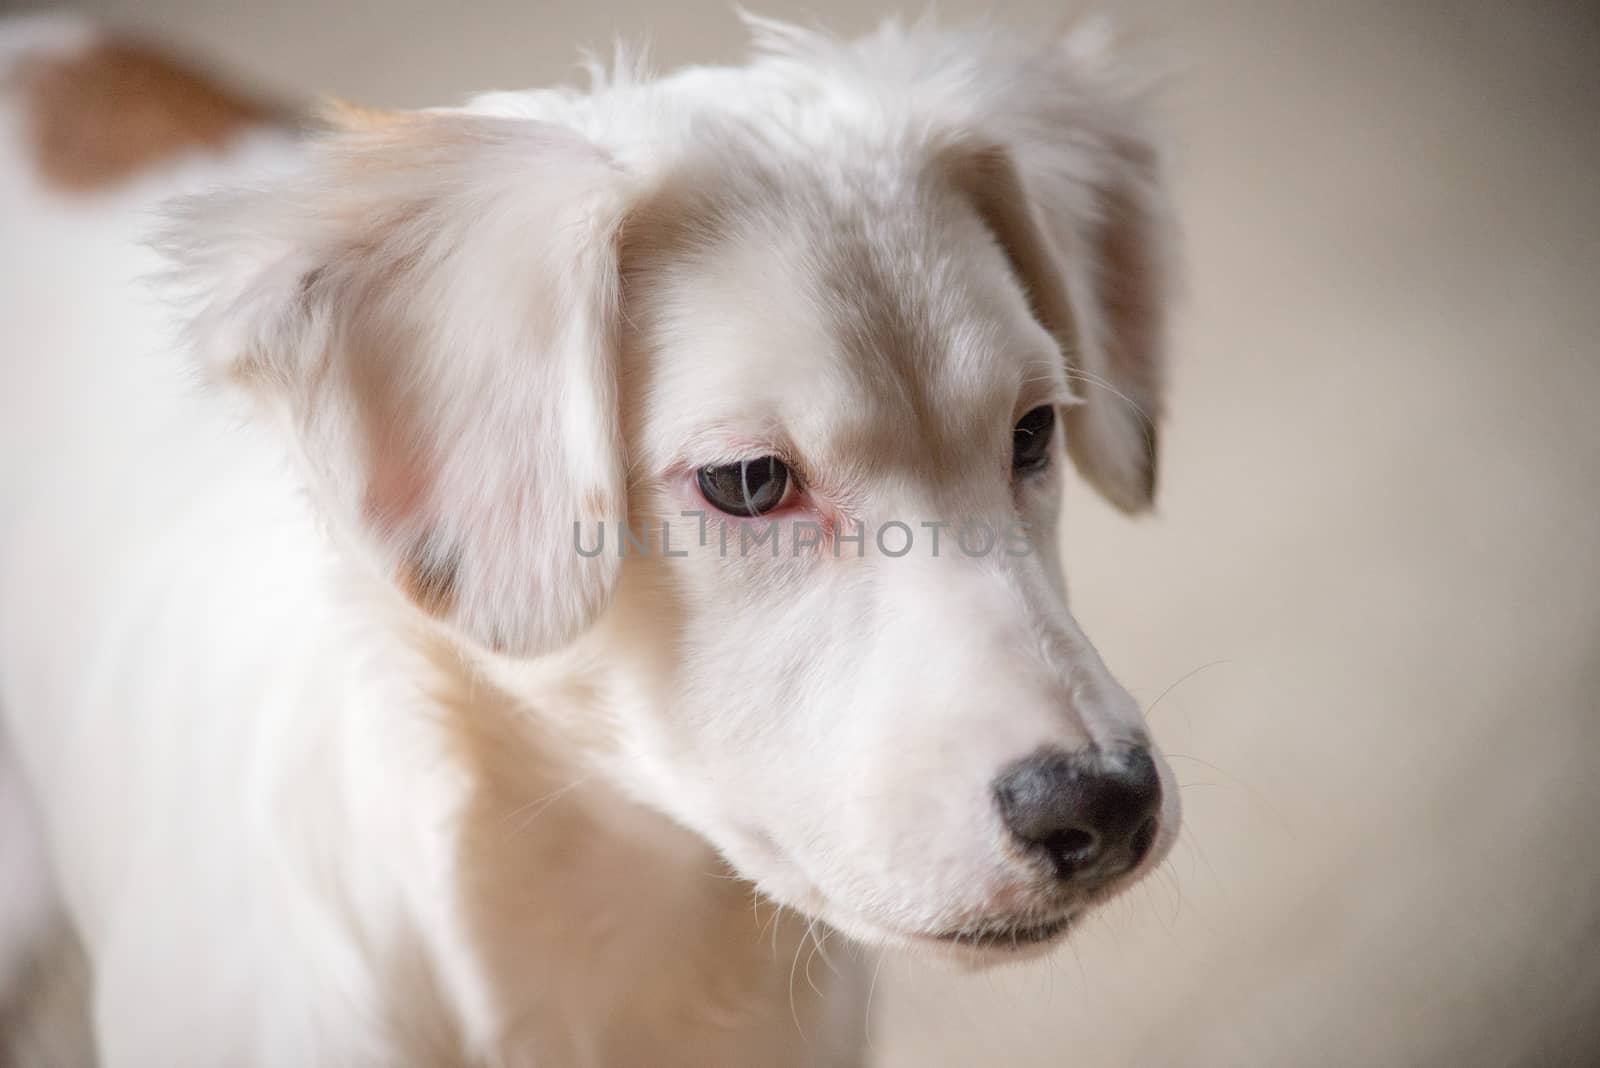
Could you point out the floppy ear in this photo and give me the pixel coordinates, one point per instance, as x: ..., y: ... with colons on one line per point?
x: 1091, y: 260
x: 1055, y: 153
x: 431, y: 300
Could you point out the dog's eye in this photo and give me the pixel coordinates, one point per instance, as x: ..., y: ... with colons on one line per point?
x: 1030, y: 441
x: 748, y: 488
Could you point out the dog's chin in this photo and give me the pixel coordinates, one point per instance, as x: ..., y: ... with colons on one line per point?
x: 988, y: 946
x: 974, y: 947
x: 971, y: 946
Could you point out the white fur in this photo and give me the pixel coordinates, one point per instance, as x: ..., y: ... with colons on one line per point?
x: 476, y: 327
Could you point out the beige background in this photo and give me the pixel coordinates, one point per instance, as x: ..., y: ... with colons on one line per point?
x: 1369, y: 605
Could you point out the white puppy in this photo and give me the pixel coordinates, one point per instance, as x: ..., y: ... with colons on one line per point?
x: 361, y: 733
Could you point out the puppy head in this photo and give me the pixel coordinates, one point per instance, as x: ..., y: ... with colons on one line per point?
x: 873, y: 321
x: 821, y: 333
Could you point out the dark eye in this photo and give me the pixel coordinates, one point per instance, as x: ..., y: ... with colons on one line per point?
x: 747, y: 488
x: 1030, y: 441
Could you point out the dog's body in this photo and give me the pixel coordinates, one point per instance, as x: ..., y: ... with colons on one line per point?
x: 323, y: 783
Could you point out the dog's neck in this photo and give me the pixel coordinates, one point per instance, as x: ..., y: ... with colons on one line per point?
x: 596, y: 930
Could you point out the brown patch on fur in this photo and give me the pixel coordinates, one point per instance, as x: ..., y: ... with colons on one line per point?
x: 101, y: 116
x: 431, y: 579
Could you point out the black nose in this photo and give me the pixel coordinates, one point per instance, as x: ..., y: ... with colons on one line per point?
x: 1090, y: 812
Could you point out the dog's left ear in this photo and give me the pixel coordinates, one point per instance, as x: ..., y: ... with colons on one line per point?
x: 1071, y: 185
x: 431, y: 299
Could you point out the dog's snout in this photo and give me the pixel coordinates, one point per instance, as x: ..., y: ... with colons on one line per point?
x: 1090, y: 812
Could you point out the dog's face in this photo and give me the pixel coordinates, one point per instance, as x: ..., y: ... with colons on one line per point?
x: 844, y: 415
x: 831, y: 394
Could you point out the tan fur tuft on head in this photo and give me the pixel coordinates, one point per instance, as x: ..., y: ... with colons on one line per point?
x: 358, y: 118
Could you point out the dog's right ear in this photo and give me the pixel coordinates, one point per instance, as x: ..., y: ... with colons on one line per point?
x: 431, y: 299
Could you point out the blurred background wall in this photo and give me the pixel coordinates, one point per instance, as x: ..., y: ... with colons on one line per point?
x: 1367, y: 615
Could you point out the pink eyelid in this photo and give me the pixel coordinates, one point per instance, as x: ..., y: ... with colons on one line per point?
x: 800, y: 498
